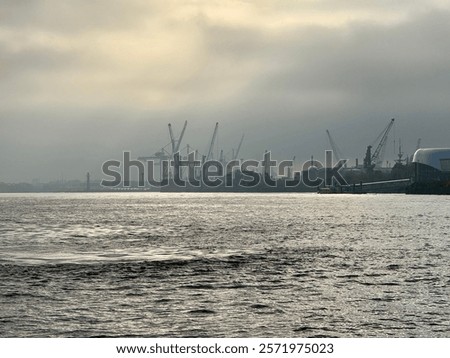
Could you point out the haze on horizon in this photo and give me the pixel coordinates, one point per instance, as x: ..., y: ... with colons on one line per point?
x: 82, y: 81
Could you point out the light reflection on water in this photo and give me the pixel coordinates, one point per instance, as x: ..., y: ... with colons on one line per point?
x: 235, y: 265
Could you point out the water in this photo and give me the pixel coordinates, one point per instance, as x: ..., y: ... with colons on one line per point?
x: 224, y: 265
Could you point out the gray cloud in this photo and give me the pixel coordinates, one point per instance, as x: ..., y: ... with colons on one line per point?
x: 78, y: 88
x: 75, y: 16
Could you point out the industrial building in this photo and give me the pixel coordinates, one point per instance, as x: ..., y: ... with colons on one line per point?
x: 431, y: 171
x: 432, y: 164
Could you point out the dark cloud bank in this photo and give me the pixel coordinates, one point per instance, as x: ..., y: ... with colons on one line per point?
x: 283, y: 90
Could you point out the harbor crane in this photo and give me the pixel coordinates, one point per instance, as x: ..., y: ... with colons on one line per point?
x: 335, y: 148
x: 236, y: 153
x: 375, y: 159
x: 161, y: 156
x: 208, y: 157
x: 176, y: 143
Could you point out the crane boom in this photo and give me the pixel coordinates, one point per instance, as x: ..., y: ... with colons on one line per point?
x: 376, y: 154
x: 176, y: 142
x: 212, y: 141
x: 371, y: 160
x: 336, y: 150
x: 177, y: 147
x: 238, y: 148
x: 172, y: 139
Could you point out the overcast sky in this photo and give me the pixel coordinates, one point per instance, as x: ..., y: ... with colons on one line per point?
x: 83, y: 80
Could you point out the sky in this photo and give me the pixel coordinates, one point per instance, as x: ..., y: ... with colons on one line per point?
x: 81, y: 81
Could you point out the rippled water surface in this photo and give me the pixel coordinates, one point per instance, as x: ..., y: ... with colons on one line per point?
x: 214, y: 265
